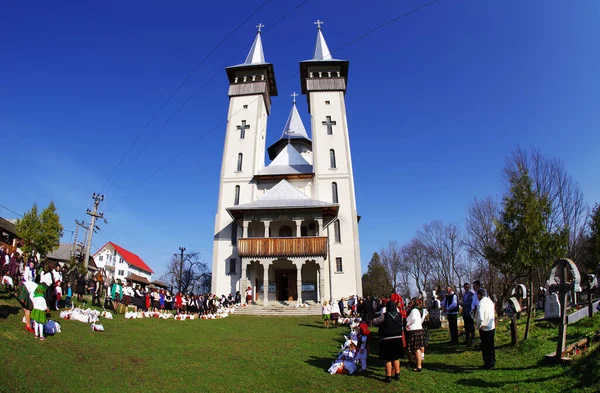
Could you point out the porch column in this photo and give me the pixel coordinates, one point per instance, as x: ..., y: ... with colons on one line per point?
x: 243, y: 279
x: 319, y: 225
x: 265, y: 283
x: 298, y: 228
x: 321, y: 282
x: 245, y: 230
x: 267, y: 225
x: 318, y: 287
x: 299, y: 281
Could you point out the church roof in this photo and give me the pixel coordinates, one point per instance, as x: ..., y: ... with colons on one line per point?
x: 294, y: 131
x: 283, y: 196
x: 321, y: 48
x: 294, y: 128
x: 256, y: 54
x: 288, y: 161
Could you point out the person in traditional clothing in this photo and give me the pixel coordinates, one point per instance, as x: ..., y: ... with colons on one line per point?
x: 363, y: 346
x: 391, y: 348
x: 38, y: 314
x: 80, y: 287
x: 415, y: 333
x: 117, y: 293
x: 238, y: 298
x: 345, y: 360
x: 57, y: 294
x: 24, y: 297
x: 161, y: 300
x: 326, y: 313
x: 249, y: 295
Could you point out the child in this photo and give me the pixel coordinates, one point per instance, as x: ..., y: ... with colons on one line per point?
x: 38, y: 314
x: 58, y: 294
x: 345, y: 361
x: 69, y: 295
x: 363, y: 340
x: 326, y: 311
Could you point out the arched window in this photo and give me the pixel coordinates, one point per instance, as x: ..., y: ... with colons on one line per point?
x: 332, y: 159
x: 285, y: 231
x: 334, y: 193
x: 303, y: 231
x: 239, y: 162
x: 236, y: 200
x: 337, y: 231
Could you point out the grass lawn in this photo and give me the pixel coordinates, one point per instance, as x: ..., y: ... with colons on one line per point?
x: 255, y: 354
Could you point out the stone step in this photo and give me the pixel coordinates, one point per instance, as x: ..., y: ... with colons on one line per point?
x: 278, y: 310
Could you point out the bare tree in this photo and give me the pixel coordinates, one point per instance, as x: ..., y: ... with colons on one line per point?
x: 189, y: 276
x: 444, y: 247
x: 391, y: 259
x: 418, y: 264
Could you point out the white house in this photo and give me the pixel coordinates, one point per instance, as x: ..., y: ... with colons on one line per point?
x: 119, y: 262
x: 288, y: 230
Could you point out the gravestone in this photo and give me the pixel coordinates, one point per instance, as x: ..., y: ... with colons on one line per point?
x: 552, y: 306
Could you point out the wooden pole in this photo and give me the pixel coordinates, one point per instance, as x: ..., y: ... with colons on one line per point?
x: 562, y: 328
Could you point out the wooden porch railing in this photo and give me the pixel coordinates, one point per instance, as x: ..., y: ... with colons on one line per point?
x: 282, y: 247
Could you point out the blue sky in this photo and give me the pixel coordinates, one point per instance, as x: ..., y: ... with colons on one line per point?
x: 436, y: 101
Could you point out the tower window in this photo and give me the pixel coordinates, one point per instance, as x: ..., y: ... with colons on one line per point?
x: 337, y: 231
x: 234, y: 233
x: 329, y: 124
x: 232, y: 263
x: 239, y: 162
x: 245, y: 106
x: 331, y: 159
x: 339, y: 268
x: 236, y: 200
x: 327, y: 102
x: 243, y: 127
x: 334, y: 193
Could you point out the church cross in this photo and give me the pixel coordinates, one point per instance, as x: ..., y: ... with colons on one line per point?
x: 294, y: 95
x: 319, y: 23
x: 329, y: 123
x: 289, y: 134
x: 260, y: 26
x: 243, y: 129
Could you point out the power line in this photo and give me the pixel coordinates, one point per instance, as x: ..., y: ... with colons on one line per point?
x: 190, y: 98
x: 173, y: 94
x: 10, y: 210
x: 188, y: 146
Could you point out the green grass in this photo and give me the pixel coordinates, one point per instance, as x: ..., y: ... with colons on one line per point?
x: 260, y: 354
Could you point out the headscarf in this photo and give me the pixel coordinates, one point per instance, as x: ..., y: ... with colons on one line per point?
x: 399, y: 303
x: 390, y: 309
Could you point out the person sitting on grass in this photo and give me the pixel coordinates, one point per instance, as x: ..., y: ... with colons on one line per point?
x: 326, y: 313
x: 345, y: 361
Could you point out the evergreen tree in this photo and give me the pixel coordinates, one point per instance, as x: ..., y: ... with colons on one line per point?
x: 593, y: 241
x: 40, y: 233
x: 376, y: 282
x: 522, y: 233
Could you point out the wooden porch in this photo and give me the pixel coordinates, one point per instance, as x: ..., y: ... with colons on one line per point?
x: 267, y: 247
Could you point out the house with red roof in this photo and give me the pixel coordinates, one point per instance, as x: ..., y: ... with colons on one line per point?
x: 119, y: 262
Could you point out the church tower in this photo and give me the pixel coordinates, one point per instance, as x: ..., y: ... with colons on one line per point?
x: 324, y: 80
x: 251, y: 86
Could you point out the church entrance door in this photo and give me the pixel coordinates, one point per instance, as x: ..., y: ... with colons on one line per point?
x: 286, y: 284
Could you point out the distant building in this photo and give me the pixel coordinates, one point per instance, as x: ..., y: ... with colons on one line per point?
x: 8, y: 235
x: 120, y: 263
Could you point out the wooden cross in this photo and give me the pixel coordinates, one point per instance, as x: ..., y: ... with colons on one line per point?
x: 319, y: 23
x: 260, y: 26
x: 329, y: 123
x: 243, y: 129
x: 294, y: 95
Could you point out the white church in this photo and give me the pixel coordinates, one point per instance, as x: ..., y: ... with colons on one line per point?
x: 289, y: 229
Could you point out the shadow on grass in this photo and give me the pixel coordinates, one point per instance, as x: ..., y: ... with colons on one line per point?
x: 478, y: 382
x: 374, y: 371
x: 5, y: 311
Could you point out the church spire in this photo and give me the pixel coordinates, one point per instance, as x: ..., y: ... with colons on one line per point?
x: 256, y: 54
x: 294, y: 128
x: 321, y: 49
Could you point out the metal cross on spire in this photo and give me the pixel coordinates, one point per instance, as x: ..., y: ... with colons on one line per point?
x: 319, y: 23
x: 294, y: 95
x: 259, y: 26
x: 289, y: 134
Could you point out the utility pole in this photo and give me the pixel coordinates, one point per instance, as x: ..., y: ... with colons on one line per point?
x: 78, y: 224
x: 180, y: 273
x: 94, y: 214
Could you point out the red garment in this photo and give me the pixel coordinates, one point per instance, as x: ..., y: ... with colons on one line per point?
x: 399, y: 304
x: 178, y: 302
x: 147, y: 301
